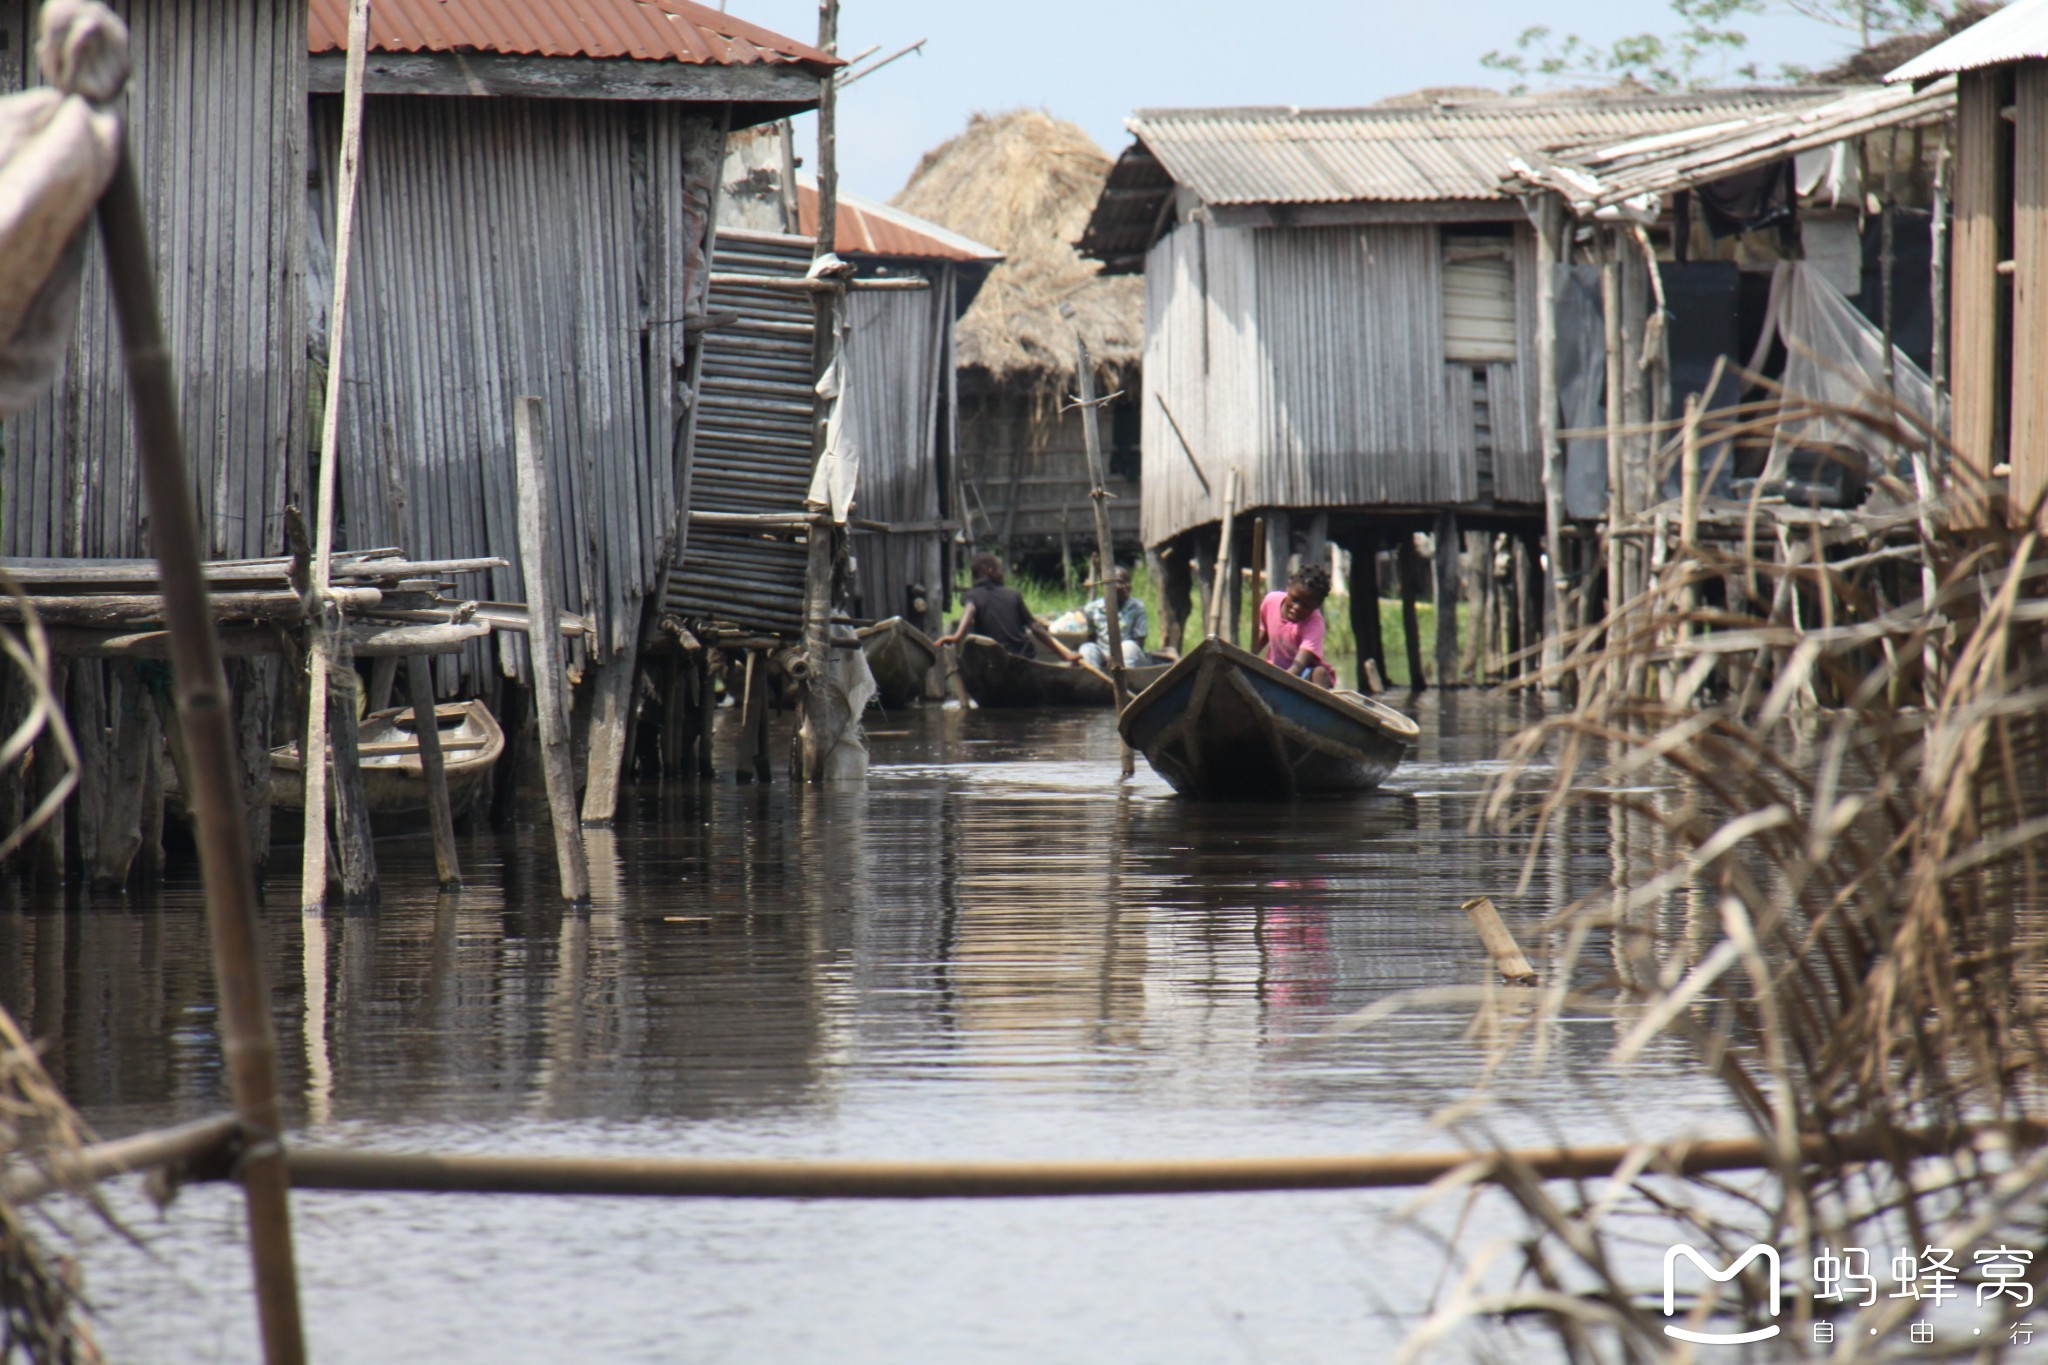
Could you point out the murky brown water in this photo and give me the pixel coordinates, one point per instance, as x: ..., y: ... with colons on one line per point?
x: 992, y: 950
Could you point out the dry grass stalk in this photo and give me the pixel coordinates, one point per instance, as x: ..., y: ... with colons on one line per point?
x: 1824, y: 767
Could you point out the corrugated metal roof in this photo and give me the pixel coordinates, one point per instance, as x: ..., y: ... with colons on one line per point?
x: 1593, y: 175
x: 646, y: 30
x: 867, y: 228
x: 1446, y: 151
x: 2017, y: 33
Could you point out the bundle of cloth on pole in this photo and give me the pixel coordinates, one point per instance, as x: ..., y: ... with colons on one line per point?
x: 59, y: 146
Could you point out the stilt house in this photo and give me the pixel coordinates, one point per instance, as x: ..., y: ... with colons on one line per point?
x: 534, y: 218
x: 1341, y: 316
x: 1024, y: 183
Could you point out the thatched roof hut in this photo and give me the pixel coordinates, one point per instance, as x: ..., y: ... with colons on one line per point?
x: 1025, y: 182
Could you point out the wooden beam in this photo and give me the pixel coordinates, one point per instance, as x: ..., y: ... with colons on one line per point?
x: 1501, y: 210
x: 784, y: 89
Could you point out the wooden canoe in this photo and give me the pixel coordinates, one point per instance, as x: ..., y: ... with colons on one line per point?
x: 899, y: 655
x: 393, y: 779
x: 1225, y: 725
x: 999, y: 679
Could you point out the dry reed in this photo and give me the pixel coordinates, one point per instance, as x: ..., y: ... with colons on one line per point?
x: 1820, y: 747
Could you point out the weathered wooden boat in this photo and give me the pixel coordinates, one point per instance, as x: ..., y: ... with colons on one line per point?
x: 1225, y: 725
x: 393, y: 779
x: 900, y: 656
x: 997, y: 678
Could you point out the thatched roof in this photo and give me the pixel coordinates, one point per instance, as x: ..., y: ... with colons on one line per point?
x: 1025, y: 183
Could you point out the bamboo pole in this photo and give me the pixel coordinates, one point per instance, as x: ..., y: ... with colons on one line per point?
x: 1500, y: 943
x: 685, y: 1178
x: 176, y: 1146
x: 544, y: 644
x: 1105, y: 552
x: 324, y: 615
x: 247, y: 1039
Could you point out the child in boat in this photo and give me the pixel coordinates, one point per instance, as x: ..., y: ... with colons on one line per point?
x: 1291, y: 626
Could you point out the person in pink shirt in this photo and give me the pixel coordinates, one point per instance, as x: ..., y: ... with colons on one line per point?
x: 1291, y: 626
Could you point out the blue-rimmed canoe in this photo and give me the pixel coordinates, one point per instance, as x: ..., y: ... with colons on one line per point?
x: 1225, y: 725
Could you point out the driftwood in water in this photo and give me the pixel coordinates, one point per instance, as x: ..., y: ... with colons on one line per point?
x: 1500, y: 944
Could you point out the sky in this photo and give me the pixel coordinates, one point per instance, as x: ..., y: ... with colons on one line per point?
x: 1094, y: 61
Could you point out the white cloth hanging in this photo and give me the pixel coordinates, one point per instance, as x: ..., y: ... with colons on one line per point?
x: 59, y: 145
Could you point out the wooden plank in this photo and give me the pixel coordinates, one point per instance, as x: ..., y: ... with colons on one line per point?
x: 611, y: 710
x: 2029, y: 385
x: 1977, y: 375
x: 550, y: 681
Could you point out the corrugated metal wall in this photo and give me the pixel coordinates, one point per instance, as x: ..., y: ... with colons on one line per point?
x: 217, y: 106
x: 752, y: 449
x: 897, y: 356
x: 511, y: 247
x: 1313, y: 360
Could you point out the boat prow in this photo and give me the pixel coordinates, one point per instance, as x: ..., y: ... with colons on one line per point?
x: 899, y: 655
x: 1225, y: 725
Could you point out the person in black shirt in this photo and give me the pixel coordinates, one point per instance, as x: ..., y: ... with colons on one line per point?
x: 1001, y: 614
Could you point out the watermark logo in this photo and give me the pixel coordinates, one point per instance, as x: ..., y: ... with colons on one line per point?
x: 1683, y: 1252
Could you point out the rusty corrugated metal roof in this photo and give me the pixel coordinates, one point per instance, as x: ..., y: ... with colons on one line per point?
x: 2017, y: 33
x: 645, y: 30
x: 868, y: 228
x: 1446, y: 151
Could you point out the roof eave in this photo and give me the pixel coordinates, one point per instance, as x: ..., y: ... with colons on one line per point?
x: 774, y: 90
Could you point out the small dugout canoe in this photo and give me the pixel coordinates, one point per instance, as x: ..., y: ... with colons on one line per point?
x: 1001, y: 680
x: 394, y: 780
x: 900, y: 656
x: 1225, y: 725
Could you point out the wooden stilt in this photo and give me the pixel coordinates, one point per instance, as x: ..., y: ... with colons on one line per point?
x: 704, y: 698
x: 352, y: 838
x: 1105, y: 549
x: 440, y: 814
x: 85, y: 706
x: 249, y: 684
x: 47, y: 847
x: 1365, y: 610
x: 1447, y: 598
x: 1411, y: 573
x: 1279, y: 550
x: 383, y: 682
x: 610, y: 713
x: 544, y: 641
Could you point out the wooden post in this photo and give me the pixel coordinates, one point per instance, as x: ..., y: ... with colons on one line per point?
x: 1937, y: 274
x: 1617, y: 480
x: 1279, y: 549
x: 1221, y: 598
x: 2028, y: 446
x: 1410, y: 572
x: 1105, y: 549
x: 544, y: 645
x: 440, y: 814
x: 610, y: 711
x: 1977, y: 362
x: 352, y: 836
x: 1169, y: 568
x: 1446, y: 598
x: 1550, y: 248
x: 1365, y: 608
x: 248, y: 1043
x: 324, y: 618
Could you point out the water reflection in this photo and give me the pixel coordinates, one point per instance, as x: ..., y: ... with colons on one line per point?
x: 993, y: 948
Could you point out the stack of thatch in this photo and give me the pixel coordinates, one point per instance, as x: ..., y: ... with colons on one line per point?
x: 1025, y: 182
